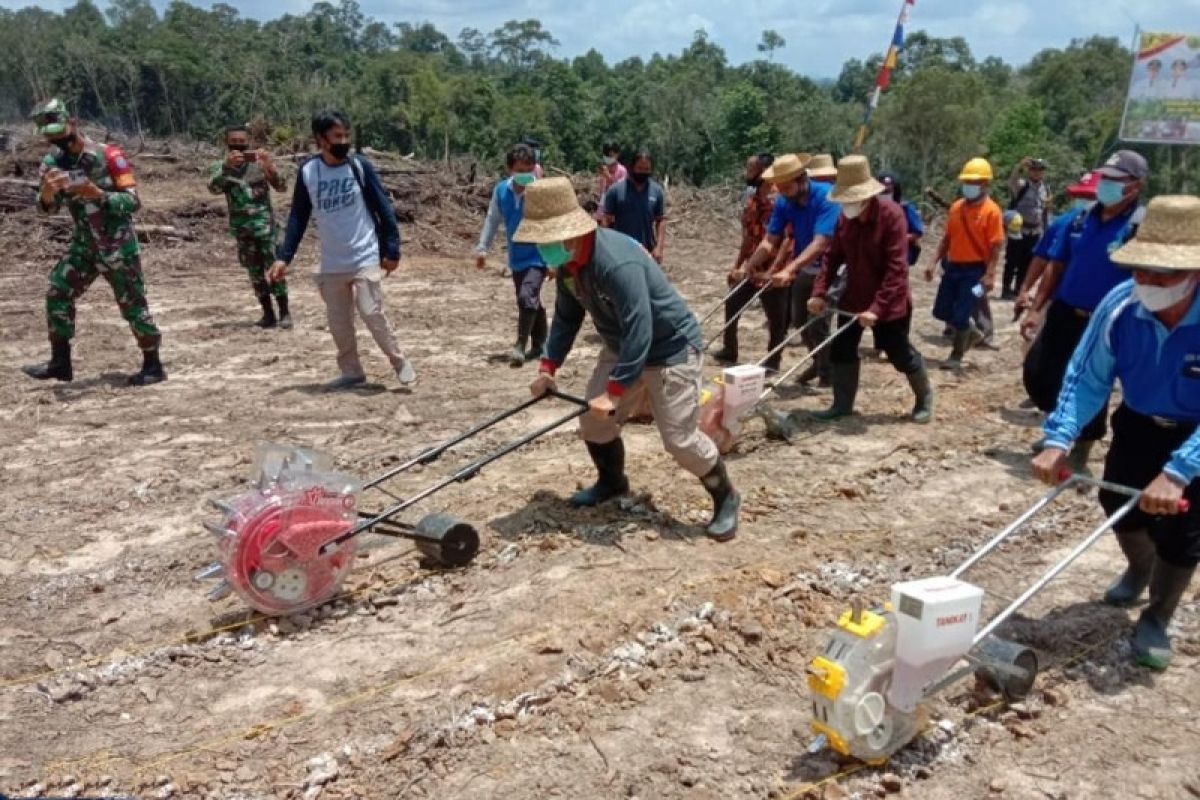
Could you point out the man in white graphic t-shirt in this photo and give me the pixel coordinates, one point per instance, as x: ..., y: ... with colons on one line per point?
x: 360, y: 242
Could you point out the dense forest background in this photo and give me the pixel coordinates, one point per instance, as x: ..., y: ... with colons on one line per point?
x: 412, y: 88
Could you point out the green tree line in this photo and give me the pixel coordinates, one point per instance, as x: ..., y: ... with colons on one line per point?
x: 410, y: 87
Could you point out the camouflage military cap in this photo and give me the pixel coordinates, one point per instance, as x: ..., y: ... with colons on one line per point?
x: 51, y: 117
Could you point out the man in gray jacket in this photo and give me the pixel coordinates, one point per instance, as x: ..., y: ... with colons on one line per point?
x: 650, y: 337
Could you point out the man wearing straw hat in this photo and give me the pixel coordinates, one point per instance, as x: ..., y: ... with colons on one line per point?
x: 756, y: 215
x: 820, y: 169
x: 1146, y: 334
x: 650, y: 339
x: 804, y: 206
x: 872, y: 241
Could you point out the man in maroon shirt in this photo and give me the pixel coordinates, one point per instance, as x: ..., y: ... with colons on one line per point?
x: 872, y: 240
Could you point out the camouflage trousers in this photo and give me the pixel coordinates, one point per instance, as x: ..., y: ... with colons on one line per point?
x: 256, y: 252
x: 72, y: 276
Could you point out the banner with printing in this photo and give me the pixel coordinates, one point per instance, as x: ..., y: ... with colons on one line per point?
x: 1163, y: 106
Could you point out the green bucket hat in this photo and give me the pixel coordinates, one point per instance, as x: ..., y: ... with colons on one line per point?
x: 51, y: 117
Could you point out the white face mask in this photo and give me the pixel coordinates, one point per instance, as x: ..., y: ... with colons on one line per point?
x: 609, y: 161
x: 1160, y: 298
x: 852, y: 210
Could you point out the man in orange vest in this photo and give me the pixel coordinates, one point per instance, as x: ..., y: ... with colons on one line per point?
x: 969, y: 255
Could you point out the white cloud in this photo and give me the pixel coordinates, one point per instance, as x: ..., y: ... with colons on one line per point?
x: 821, y: 34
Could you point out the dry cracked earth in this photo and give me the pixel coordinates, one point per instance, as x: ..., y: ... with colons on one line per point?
x: 609, y: 653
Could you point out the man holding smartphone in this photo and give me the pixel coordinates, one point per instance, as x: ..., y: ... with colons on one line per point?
x: 246, y: 178
x: 96, y: 184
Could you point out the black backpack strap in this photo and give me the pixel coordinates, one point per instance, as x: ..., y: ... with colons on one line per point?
x: 368, y: 198
x: 1016, y: 201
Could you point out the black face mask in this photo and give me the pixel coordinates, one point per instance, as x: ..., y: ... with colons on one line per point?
x: 64, y: 141
x: 639, y: 177
x: 241, y: 148
x: 339, y: 151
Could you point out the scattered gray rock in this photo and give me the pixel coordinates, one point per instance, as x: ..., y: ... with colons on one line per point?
x: 321, y: 770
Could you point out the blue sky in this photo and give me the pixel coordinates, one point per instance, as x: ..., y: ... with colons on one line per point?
x: 820, y: 34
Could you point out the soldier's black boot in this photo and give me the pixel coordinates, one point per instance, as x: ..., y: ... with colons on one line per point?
x: 268, y: 318
x: 285, y: 316
x: 610, y: 464
x: 152, y: 370
x: 726, y: 503
x: 59, y: 365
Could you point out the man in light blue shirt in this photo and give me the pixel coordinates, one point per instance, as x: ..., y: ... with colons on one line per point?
x: 526, y: 265
x: 1145, y: 333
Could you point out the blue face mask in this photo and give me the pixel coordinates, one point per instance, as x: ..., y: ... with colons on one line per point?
x: 1110, y: 192
x: 971, y: 191
x: 1083, y: 205
x: 554, y: 255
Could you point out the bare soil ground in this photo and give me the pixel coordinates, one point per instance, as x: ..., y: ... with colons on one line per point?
x: 595, y: 654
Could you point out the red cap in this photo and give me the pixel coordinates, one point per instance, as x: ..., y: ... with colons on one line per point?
x: 1086, y: 188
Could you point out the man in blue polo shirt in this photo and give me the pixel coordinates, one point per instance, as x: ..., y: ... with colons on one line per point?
x: 1145, y: 333
x: 803, y: 205
x: 1080, y: 274
x: 528, y: 270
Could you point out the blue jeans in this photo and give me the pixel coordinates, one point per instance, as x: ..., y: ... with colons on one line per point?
x: 956, y: 298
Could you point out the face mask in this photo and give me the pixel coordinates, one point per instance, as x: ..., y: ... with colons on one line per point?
x: 1109, y: 192
x: 64, y: 141
x: 640, y: 177
x: 852, y: 210
x: 523, y: 178
x: 1081, y: 204
x: 339, y: 151
x: 1160, y: 298
x: 971, y: 191
x: 554, y: 255
x: 609, y: 161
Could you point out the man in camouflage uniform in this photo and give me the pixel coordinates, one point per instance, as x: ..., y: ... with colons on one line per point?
x: 96, y: 183
x: 246, y: 179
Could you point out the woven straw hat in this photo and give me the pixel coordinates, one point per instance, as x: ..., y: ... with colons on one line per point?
x: 854, y: 181
x: 552, y: 213
x: 1169, y: 238
x: 787, y: 167
x: 822, y: 166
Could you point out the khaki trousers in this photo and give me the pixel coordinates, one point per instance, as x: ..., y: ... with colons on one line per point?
x: 343, y: 292
x: 674, y: 394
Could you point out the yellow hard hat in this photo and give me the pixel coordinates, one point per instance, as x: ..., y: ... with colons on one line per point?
x: 977, y: 169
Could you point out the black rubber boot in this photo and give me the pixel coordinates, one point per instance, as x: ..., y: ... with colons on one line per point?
x: 808, y: 375
x: 726, y: 503
x: 525, y: 320
x: 1077, y: 459
x: 1151, y: 644
x: 285, y: 316
x: 58, y: 367
x: 152, y: 370
x: 268, y: 319
x: 610, y: 464
x: 845, y: 390
x: 537, y: 344
x: 1139, y: 552
x: 922, y: 412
